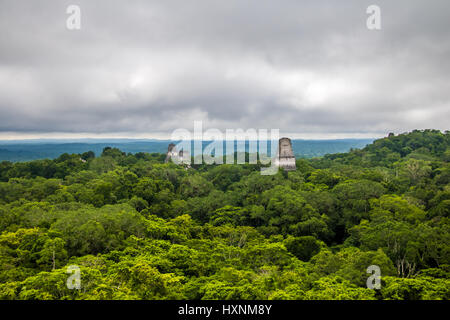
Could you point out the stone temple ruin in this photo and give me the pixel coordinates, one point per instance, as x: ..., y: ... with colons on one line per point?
x: 175, y: 156
x: 171, y: 152
x: 286, y: 158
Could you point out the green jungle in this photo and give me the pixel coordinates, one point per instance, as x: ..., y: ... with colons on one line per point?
x: 138, y: 228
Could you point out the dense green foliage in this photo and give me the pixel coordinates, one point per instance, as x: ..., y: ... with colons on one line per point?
x: 142, y: 229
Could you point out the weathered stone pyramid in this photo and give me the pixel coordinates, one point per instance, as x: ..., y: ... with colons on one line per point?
x: 286, y: 158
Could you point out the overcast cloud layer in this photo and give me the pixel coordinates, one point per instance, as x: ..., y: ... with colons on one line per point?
x: 145, y: 68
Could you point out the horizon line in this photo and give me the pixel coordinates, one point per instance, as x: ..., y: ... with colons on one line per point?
x: 9, y: 137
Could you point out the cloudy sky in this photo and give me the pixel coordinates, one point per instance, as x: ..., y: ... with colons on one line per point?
x: 144, y: 68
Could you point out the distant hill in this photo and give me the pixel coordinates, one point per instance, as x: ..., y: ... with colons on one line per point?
x: 318, y: 148
x: 35, y: 150
x: 427, y: 145
x: 27, y: 150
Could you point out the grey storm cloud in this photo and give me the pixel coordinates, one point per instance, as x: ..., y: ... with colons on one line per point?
x: 144, y: 67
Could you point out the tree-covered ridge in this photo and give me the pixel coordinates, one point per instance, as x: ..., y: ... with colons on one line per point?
x: 142, y: 229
